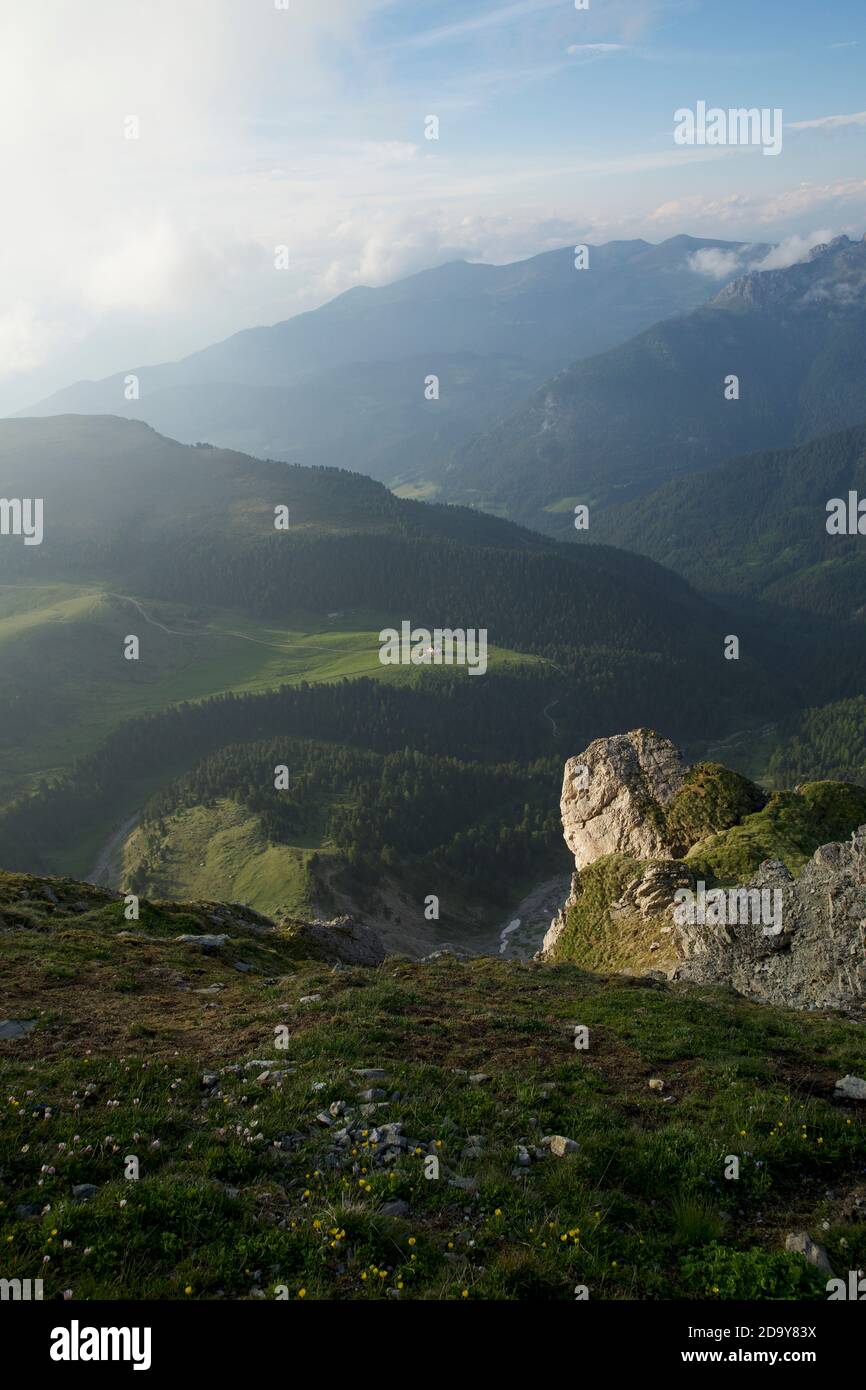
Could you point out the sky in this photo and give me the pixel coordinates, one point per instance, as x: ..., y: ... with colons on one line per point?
x: 303, y: 124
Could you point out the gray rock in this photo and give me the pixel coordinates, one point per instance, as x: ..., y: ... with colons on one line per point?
x: 607, y: 790
x: 801, y: 1243
x: 370, y: 1073
x: 478, y: 1078
x: 15, y: 1027
x: 274, y: 1078
x: 851, y: 1088
x: 374, y: 1093
x: 84, y: 1191
x: 397, y: 1208
x: 464, y: 1184
x: 815, y: 962
x: 343, y: 941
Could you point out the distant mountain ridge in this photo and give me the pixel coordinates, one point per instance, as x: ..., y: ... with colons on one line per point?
x: 617, y: 425
x: 757, y: 526
x: 344, y: 384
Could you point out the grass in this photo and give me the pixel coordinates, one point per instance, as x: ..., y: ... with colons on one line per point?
x: 222, y: 851
x: 242, y: 1193
x: 77, y: 634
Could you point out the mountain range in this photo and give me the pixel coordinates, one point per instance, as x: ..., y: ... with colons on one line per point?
x: 345, y: 384
x: 615, y: 426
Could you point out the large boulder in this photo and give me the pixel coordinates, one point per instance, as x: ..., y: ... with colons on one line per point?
x: 614, y: 796
x: 342, y: 941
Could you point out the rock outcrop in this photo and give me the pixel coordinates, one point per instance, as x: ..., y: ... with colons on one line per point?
x: 643, y: 827
x: 614, y: 796
x: 817, y: 960
x: 343, y: 941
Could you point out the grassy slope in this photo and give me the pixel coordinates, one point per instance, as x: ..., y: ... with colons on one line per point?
x: 222, y: 852
x: 63, y: 645
x: 225, y: 1206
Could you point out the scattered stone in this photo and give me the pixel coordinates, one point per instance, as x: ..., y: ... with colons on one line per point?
x: 398, y: 1208
x: 274, y: 1078
x: 370, y: 1073
x: 325, y: 1119
x: 309, y: 998
x: 204, y: 943
x: 374, y: 1093
x: 524, y: 1158
x: 801, y: 1243
x: 25, y: 1209
x: 851, y: 1088
x: 465, y: 1184
x: 656, y: 1084
x: 209, y: 1079
x: 84, y: 1191
x: 478, y: 1078
x: 242, y: 966
x: 15, y: 1027
x: 559, y: 1146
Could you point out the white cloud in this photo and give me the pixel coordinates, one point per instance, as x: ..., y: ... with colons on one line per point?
x: 590, y: 48
x: 715, y: 263
x: 793, y: 250
x: 829, y: 122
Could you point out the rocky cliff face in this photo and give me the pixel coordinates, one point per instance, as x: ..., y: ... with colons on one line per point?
x: 614, y: 794
x: 818, y: 958
x: 629, y: 801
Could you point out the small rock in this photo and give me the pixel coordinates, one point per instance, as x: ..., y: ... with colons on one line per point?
x: 374, y: 1093
x: 478, y: 1078
x: 559, y: 1146
x: 465, y: 1184
x: 309, y: 998
x: 397, y: 1208
x: 210, y: 1079
x: 370, y: 1073
x: 656, y: 1084
x: 84, y: 1191
x: 801, y: 1243
x: 242, y: 966
x: 851, y: 1088
x: 15, y: 1027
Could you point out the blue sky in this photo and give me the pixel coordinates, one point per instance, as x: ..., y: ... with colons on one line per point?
x: 304, y: 127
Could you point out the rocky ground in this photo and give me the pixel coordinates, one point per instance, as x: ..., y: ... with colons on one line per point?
x: 448, y: 1129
